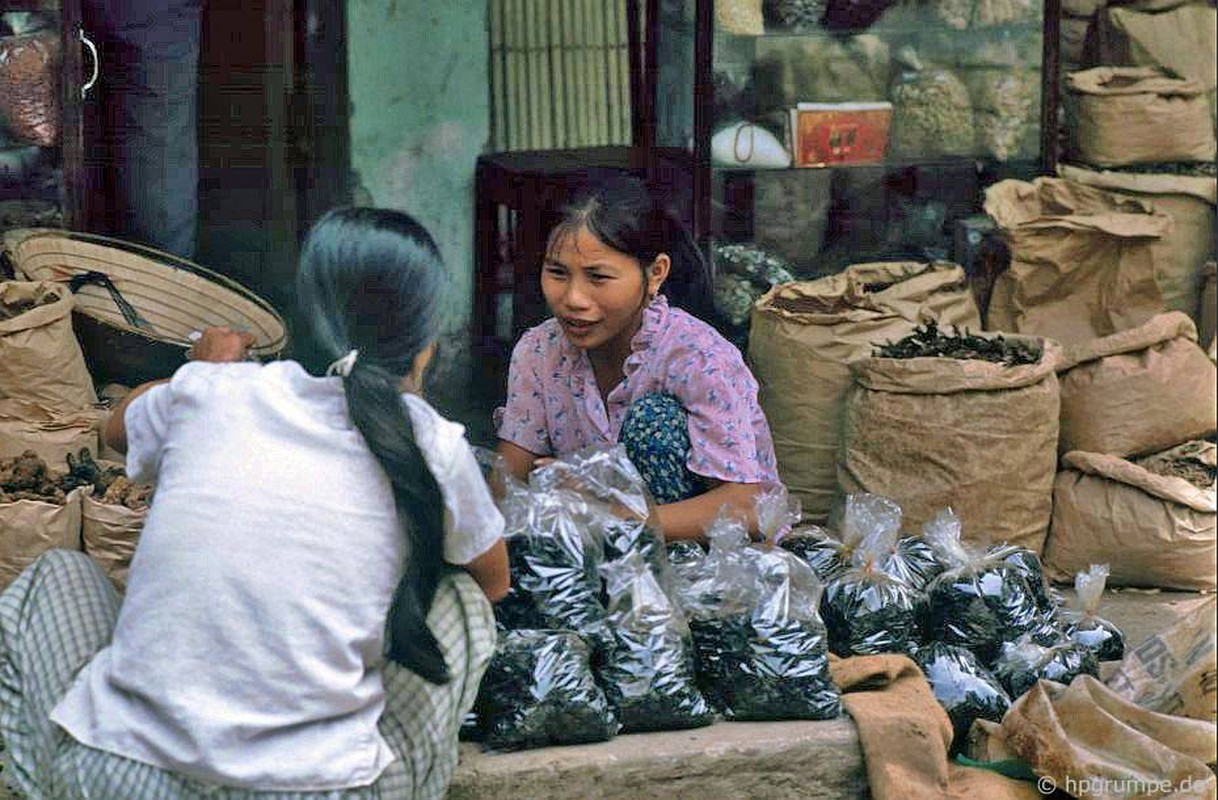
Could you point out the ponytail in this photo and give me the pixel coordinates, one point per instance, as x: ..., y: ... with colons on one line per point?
x: 369, y: 286
x: 378, y: 412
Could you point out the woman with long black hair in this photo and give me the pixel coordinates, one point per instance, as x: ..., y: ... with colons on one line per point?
x: 627, y: 359
x: 307, y: 610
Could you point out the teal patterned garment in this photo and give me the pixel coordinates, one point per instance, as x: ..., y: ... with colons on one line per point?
x: 655, y: 434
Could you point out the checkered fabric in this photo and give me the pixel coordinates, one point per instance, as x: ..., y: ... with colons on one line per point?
x: 62, y: 610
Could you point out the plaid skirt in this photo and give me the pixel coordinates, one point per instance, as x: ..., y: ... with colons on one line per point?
x: 61, y: 611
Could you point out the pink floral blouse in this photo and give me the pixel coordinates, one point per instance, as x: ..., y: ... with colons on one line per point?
x: 553, y: 407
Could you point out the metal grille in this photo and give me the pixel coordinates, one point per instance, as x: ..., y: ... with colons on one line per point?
x: 560, y: 74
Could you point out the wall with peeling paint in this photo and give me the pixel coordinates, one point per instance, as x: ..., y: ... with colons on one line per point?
x: 420, y: 117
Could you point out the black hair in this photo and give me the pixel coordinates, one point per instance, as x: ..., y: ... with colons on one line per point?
x: 629, y: 216
x: 370, y: 281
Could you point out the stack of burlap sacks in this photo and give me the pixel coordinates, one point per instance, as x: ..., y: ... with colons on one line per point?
x: 48, y: 404
x: 1026, y: 454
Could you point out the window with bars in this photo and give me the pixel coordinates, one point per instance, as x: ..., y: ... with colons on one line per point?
x: 560, y: 74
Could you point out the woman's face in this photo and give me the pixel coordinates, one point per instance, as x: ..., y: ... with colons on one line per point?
x: 596, y: 293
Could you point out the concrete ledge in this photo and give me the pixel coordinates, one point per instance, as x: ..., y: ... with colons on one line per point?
x: 755, y: 760
x: 762, y: 760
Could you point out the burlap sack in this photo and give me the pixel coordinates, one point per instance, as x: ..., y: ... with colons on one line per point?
x: 1138, y: 391
x: 1082, y: 260
x: 1173, y: 672
x: 1207, y: 313
x: 1089, y: 742
x: 109, y: 533
x: 40, y: 359
x: 29, y: 528
x: 803, y: 339
x: 1183, y: 39
x: 1189, y: 202
x: 1152, y: 530
x: 25, y: 426
x: 1117, y: 116
x: 976, y: 436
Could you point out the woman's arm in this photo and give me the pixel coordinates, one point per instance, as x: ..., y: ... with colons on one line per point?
x: 687, y: 519
x: 490, y: 571
x: 216, y: 344
x: 519, y: 462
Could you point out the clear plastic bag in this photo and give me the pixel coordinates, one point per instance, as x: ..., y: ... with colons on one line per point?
x: 29, y: 86
x: 761, y: 647
x: 1028, y: 564
x: 1083, y: 626
x: 777, y: 511
x: 628, y: 522
x: 932, y: 113
x: 554, y: 557
x: 831, y: 554
x: 966, y: 689
x: 866, y: 610
x: 980, y: 601
x: 648, y: 668
x: 539, y: 690
x: 1024, y: 662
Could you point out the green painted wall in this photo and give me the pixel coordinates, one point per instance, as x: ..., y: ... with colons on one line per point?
x: 420, y: 117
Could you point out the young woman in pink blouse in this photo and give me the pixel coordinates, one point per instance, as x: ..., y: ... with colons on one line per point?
x: 626, y: 360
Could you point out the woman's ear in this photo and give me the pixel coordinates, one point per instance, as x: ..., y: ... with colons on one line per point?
x: 414, y: 381
x: 657, y: 273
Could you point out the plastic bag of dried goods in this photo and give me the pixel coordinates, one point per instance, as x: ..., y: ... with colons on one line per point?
x: 628, y: 521
x: 829, y: 551
x: 29, y: 86
x: 685, y: 559
x: 980, y: 601
x: 912, y: 560
x: 1023, y: 662
x: 760, y: 644
x: 866, y: 610
x: 762, y: 650
x: 777, y: 511
x: 539, y: 690
x: 554, y: 559
x: 966, y: 689
x: 648, y: 668
x: 932, y: 113
x: 1084, y: 626
x: 1029, y: 565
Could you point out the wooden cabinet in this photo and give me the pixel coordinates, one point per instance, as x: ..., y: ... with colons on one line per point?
x: 964, y: 83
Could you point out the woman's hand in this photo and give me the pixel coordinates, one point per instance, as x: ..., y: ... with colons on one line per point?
x: 220, y: 344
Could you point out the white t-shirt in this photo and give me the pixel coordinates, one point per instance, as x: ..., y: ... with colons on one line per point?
x: 249, y: 645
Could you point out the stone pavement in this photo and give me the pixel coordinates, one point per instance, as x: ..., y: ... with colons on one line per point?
x: 729, y: 760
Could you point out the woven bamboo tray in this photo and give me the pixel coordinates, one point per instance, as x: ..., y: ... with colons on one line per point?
x: 167, y: 300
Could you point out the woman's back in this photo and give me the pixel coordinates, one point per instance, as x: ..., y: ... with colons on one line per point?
x: 246, y: 649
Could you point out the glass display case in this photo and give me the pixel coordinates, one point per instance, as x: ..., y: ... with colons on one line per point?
x: 829, y: 132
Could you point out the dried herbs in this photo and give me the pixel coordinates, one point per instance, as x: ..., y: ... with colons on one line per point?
x: 866, y: 610
x: 539, y: 690
x: 965, y: 689
x: 980, y: 602
x: 27, y: 477
x: 1083, y: 626
x: 84, y: 471
x: 9, y: 310
x: 763, y: 654
x: 1023, y: 662
x: 554, y: 563
x: 648, y: 668
x: 928, y: 341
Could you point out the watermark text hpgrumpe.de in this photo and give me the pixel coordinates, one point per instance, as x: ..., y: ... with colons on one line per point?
x: 1098, y: 786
